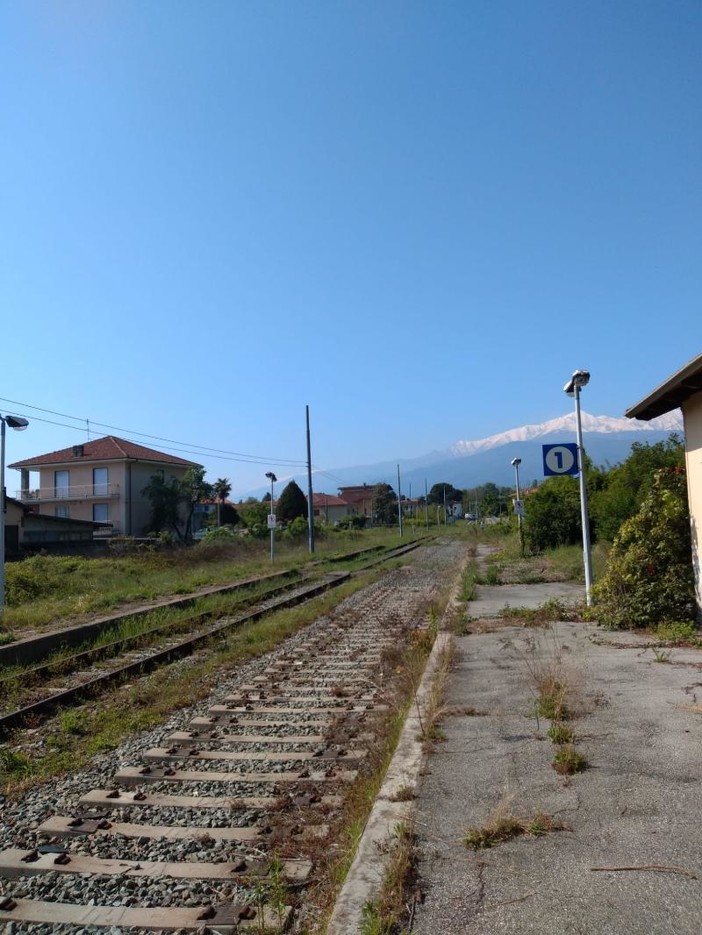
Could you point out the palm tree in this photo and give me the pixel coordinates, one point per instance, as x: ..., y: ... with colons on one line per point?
x: 221, y: 488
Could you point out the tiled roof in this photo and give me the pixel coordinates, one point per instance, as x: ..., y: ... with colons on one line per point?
x: 109, y: 448
x: 327, y: 499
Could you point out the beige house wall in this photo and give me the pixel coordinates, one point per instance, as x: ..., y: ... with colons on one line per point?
x: 692, y: 417
x: 128, y: 509
x: 330, y: 514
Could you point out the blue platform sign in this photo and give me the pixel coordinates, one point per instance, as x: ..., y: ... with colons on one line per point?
x: 560, y: 459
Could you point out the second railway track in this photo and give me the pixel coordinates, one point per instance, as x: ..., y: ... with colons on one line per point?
x: 87, y: 672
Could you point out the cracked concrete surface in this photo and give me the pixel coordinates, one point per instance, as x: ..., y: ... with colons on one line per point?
x: 638, y: 805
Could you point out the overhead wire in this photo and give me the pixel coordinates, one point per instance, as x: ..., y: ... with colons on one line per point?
x: 183, y: 447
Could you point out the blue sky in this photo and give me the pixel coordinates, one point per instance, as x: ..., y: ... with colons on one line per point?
x: 415, y: 217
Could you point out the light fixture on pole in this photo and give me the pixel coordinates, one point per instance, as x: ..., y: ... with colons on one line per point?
x: 19, y: 425
x: 572, y: 388
x: 518, y: 508
x: 271, y: 515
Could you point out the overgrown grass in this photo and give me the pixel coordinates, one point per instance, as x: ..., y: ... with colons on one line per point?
x: 679, y: 634
x: 502, y: 825
x: 548, y: 612
x: 44, y: 589
x: 77, y: 734
x: 142, y: 631
x: 567, y: 760
x: 386, y: 914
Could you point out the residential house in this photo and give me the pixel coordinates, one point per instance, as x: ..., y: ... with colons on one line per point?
x: 98, y: 481
x: 328, y: 509
x: 359, y: 499
x: 683, y: 390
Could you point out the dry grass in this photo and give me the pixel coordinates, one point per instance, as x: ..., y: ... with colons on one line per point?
x: 503, y: 825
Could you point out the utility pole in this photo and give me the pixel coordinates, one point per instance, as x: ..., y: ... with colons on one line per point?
x: 426, y: 505
x: 399, y: 500
x: 310, y: 503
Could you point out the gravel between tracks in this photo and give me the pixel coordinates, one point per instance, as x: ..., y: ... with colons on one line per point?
x: 400, y: 596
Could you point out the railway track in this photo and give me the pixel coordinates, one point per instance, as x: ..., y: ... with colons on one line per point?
x: 58, y: 683
x: 220, y: 820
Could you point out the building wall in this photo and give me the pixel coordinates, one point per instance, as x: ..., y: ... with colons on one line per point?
x: 330, y: 514
x: 692, y: 416
x: 128, y: 509
x: 80, y: 475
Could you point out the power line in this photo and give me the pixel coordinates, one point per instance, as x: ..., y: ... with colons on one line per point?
x: 184, y: 447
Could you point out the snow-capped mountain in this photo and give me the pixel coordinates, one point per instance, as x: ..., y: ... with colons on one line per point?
x: 671, y: 422
x: 606, y: 439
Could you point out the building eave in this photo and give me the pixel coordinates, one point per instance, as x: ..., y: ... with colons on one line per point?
x: 671, y: 394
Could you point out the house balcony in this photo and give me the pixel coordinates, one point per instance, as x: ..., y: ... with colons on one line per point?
x: 78, y: 492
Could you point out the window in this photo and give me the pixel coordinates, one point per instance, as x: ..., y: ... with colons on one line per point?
x: 100, y: 512
x: 62, y: 484
x: 63, y: 511
x: 100, y: 482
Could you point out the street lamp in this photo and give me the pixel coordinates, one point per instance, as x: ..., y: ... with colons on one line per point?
x: 518, y: 502
x: 19, y: 425
x: 572, y: 388
x: 271, y: 516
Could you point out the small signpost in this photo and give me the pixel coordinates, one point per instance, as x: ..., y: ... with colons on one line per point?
x: 271, y: 520
x: 560, y: 459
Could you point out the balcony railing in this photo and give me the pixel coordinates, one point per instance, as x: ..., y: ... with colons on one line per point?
x: 78, y: 492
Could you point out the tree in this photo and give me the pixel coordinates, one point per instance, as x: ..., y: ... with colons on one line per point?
x: 166, y: 499
x: 228, y: 515
x: 255, y: 516
x: 291, y: 503
x: 173, y: 500
x: 627, y: 484
x: 194, y: 489
x: 444, y: 492
x: 221, y: 489
x: 552, y: 515
x: 384, y: 504
x: 649, y: 578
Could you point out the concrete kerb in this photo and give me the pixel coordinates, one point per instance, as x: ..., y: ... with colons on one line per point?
x: 365, y: 877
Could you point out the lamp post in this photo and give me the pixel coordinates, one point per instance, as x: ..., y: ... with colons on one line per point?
x: 19, y: 425
x: 271, y: 516
x: 518, y: 503
x: 572, y: 388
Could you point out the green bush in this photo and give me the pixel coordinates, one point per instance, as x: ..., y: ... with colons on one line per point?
x: 297, y: 528
x: 351, y: 522
x: 649, y: 579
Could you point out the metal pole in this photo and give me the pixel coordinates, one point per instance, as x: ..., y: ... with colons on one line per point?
x: 399, y: 500
x: 426, y: 505
x: 272, y: 530
x: 310, y: 504
x: 516, y: 463
x: 587, y: 560
x: 2, y: 517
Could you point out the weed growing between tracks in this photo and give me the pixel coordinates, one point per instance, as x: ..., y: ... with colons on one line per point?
x: 404, y: 666
x: 67, y: 742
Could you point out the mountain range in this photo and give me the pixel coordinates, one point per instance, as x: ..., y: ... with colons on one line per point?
x: 606, y: 439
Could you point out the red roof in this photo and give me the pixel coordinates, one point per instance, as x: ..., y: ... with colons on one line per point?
x: 109, y: 448
x: 327, y: 499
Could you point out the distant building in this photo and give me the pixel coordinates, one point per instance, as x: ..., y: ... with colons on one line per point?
x: 684, y: 390
x: 359, y: 499
x: 27, y: 531
x: 98, y: 481
x: 328, y: 509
